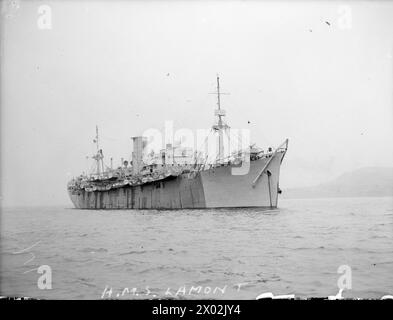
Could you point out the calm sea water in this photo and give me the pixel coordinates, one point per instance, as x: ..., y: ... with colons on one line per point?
x: 219, y: 254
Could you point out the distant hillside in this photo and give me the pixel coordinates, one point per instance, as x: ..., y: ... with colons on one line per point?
x: 364, y: 182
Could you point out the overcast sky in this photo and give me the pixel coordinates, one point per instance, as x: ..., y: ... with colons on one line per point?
x: 317, y: 73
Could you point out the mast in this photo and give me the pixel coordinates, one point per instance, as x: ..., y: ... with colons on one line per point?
x: 96, y: 139
x: 220, y: 133
x: 99, y: 156
x: 218, y: 93
x: 220, y: 126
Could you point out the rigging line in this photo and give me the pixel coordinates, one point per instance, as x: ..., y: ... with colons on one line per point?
x: 206, y: 138
x: 199, y: 150
x: 234, y: 141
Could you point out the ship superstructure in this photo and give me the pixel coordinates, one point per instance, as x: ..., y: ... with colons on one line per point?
x: 177, y: 178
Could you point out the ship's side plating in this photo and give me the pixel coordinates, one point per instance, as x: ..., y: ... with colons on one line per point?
x: 175, y: 193
x: 222, y: 188
x: 214, y: 188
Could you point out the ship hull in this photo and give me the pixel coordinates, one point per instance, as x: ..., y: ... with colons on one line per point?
x: 225, y: 186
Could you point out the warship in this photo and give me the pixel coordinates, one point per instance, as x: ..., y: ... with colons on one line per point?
x: 175, y: 178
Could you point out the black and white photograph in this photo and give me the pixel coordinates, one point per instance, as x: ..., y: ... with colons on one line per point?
x: 196, y: 151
